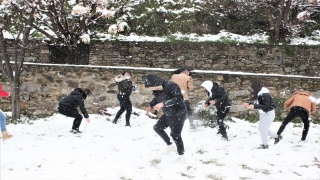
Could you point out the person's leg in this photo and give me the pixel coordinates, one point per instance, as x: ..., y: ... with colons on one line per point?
x: 70, y: 112
x: 77, y: 120
x: 306, y: 124
x: 121, y: 110
x: 263, y: 128
x: 159, y: 129
x: 271, y: 116
x: 176, y: 126
x: 221, y: 114
x: 128, y: 108
x: 5, y: 134
x: 290, y: 116
x: 3, y: 121
x: 190, y: 114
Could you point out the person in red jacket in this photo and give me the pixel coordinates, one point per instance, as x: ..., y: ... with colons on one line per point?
x: 5, y: 134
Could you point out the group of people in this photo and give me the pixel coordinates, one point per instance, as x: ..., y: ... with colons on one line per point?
x: 171, y: 103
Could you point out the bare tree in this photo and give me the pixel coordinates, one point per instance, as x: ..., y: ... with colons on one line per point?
x: 16, y: 16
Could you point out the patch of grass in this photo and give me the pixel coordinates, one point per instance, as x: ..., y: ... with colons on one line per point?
x: 124, y: 178
x: 214, y: 177
x: 245, y: 167
x: 299, y: 125
x: 201, y: 151
x: 213, y: 161
x: 227, y: 41
x: 155, y: 162
x: 186, y: 175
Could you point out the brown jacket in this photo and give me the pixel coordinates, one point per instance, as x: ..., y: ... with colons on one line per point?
x: 301, y: 98
x: 185, y: 83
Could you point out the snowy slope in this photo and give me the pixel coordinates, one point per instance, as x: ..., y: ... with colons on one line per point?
x: 47, y: 150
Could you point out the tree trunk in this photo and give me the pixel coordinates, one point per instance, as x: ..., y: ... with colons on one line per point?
x: 15, y: 88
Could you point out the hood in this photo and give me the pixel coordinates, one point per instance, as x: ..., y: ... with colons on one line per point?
x: 79, y: 91
x: 153, y: 81
x: 208, y: 86
x: 302, y: 92
x: 263, y: 90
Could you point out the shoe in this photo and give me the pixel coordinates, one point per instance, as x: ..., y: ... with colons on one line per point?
x: 75, y: 131
x: 5, y: 135
x: 262, y: 146
x: 192, y: 126
x: 114, y: 121
x: 128, y: 125
x: 303, y: 139
x: 171, y: 148
x: 276, y: 140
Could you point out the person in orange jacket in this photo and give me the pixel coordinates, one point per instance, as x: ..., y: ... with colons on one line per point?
x: 5, y: 134
x: 299, y: 105
x: 183, y: 79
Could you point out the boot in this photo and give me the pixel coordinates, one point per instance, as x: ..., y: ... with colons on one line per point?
x: 5, y: 135
x: 114, y: 121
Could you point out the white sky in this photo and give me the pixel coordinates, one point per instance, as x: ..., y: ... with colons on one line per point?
x: 47, y: 150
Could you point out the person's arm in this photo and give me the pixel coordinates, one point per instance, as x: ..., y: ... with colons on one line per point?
x: 313, y: 107
x: 83, y: 109
x: 267, y: 102
x: 222, y: 96
x: 190, y: 84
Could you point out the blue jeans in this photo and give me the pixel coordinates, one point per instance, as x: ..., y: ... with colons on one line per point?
x: 2, y: 121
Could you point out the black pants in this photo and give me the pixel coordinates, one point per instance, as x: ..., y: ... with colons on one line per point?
x: 176, y: 125
x: 221, y: 114
x: 189, y: 111
x: 125, y: 105
x: 297, y: 112
x: 71, y: 112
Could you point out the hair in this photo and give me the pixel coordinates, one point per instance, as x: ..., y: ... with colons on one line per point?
x: 256, y: 86
x: 87, y: 91
x: 124, y: 72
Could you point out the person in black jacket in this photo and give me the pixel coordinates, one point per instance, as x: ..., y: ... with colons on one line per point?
x: 218, y: 97
x: 125, y: 88
x: 68, y: 107
x: 168, y: 97
x: 263, y: 101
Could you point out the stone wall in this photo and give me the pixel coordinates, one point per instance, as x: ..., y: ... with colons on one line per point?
x: 43, y: 86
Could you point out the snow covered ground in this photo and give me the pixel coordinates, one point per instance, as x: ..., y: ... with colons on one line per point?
x: 45, y: 149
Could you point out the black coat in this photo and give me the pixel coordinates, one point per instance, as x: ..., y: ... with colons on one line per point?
x: 265, y: 102
x: 219, y: 96
x: 125, y: 87
x: 171, y: 96
x: 75, y: 99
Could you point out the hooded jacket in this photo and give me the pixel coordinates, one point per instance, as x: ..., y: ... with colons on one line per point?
x: 3, y: 93
x: 75, y: 99
x: 265, y: 101
x: 217, y: 93
x: 124, y: 85
x: 170, y: 95
x: 185, y: 83
x: 301, y: 99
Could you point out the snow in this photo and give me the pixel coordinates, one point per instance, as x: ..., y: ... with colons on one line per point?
x: 46, y: 149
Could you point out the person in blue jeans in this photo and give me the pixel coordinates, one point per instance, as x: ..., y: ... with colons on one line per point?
x: 5, y: 134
